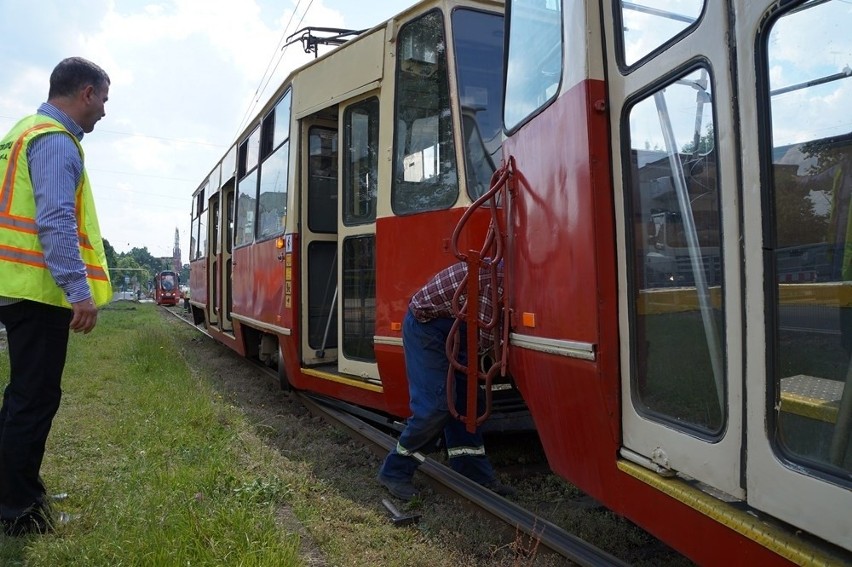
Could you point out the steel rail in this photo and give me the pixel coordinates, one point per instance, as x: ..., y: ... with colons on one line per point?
x: 546, y: 533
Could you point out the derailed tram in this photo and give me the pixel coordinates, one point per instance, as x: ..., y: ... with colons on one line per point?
x: 339, y: 198
x: 674, y: 217
x: 680, y: 265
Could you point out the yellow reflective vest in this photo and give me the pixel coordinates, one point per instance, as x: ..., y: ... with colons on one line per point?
x: 23, y: 271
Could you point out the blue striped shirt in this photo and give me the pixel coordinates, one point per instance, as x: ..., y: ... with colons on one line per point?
x: 56, y: 168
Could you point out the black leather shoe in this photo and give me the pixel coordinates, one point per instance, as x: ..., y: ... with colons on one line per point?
x: 34, y: 522
x: 37, y: 520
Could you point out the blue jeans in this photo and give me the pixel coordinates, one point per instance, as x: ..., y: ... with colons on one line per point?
x: 426, y: 366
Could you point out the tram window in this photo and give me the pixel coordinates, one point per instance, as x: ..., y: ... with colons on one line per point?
x: 200, y: 202
x: 193, y: 240
x: 253, y: 149
x: 425, y: 177
x: 281, y: 132
x: 201, y: 206
x: 214, y: 181
x: 810, y: 196
x: 246, y: 209
x: 322, y: 180
x: 202, y: 236
x: 359, y: 297
x: 649, y: 24
x: 360, y: 167
x: 229, y: 164
x: 215, y: 241
x: 266, y: 132
x: 534, y: 62
x: 478, y: 42
x: 677, y: 290
x: 272, y: 200
x: 248, y: 153
x: 322, y: 288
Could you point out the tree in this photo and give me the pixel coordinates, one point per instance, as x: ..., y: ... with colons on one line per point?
x: 706, y: 143
x: 109, y: 251
x: 127, y: 267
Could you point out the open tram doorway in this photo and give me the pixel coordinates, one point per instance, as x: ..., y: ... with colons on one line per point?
x: 214, y: 208
x: 319, y: 283
x: 356, y: 247
x: 220, y: 207
x: 224, y: 250
x: 339, y: 176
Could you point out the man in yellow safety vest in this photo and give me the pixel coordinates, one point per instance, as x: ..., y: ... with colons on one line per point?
x: 53, y: 276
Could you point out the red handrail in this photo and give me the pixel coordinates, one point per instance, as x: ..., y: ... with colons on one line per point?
x: 490, y: 255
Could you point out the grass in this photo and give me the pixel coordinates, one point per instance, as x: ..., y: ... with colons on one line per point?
x: 159, y: 471
x: 174, y: 452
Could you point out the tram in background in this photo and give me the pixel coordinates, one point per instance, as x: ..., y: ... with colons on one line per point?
x: 167, y: 288
x: 672, y: 180
x: 680, y: 260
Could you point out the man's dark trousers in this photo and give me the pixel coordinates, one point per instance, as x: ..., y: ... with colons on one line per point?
x: 38, y: 342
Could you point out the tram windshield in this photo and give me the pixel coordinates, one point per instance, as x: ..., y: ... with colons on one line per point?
x: 478, y: 42
x: 168, y: 281
x: 534, y: 66
x: 425, y: 172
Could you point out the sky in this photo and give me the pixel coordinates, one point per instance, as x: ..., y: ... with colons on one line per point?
x: 185, y: 76
x: 804, y: 46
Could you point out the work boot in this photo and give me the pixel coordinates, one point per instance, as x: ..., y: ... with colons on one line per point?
x: 402, y: 489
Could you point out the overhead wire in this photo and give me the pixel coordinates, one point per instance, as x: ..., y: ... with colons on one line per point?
x: 280, y: 51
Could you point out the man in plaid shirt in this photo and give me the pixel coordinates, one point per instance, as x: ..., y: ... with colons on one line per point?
x: 425, y: 330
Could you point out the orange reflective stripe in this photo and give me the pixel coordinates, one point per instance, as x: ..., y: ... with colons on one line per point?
x: 84, y: 241
x: 12, y: 169
x: 20, y: 256
x: 20, y: 224
x: 94, y: 272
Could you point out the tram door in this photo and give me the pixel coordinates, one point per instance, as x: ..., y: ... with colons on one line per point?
x: 798, y: 253
x: 213, y: 277
x: 221, y: 208
x: 223, y: 254
x: 319, y: 293
x: 734, y: 228
x: 678, y: 239
x: 356, y: 246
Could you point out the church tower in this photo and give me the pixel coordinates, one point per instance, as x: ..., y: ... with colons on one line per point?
x: 176, y: 253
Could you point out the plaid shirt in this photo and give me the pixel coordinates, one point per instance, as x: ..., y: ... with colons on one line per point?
x: 435, y: 299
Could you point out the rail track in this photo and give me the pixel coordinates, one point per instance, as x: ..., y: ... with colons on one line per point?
x: 356, y: 423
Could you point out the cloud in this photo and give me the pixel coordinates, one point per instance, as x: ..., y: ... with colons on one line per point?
x: 184, y: 74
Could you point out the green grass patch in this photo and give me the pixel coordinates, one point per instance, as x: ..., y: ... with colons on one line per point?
x: 160, y: 471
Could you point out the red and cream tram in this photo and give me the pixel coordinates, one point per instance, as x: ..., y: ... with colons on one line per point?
x: 680, y: 264
x: 167, y: 288
x: 338, y: 200
x: 675, y: 235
